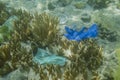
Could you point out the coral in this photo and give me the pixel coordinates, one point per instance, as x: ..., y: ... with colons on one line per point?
x: 4, y: 34
x: 22, y: 26
x: 13, y: 56
x: 4, y: 54
x: 86, y: 50
x: 3, y: 13
x: 45, y: 30
x: 34, y: 31
x: 86, y: 54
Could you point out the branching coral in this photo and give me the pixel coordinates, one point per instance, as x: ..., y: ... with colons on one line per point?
x: 3, y: 13
x: 87, y: 51
x: 86, y: 54
x: 13, y: 56
x: 45, y: 29
x: 4, y: 33
x: 23, y: 25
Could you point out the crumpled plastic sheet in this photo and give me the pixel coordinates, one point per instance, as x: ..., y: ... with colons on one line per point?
x: 84, y: 33
x: 45, y: 57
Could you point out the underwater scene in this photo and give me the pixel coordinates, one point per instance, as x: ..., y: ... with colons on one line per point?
x: 59, y: 39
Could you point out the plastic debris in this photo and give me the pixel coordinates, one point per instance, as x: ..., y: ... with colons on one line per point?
x: 84, y: 33
x: 45, y: 57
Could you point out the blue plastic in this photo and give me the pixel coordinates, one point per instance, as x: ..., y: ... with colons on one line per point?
x: 84, y: 33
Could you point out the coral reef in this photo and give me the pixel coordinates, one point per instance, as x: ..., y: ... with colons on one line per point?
x: 13, y: 56
x: 4, y: 34
x: 23, y: 25
x: 32, y: 32
x: 45, y: 30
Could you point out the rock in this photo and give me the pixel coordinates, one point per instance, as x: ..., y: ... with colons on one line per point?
x: 51, y: 6
x: 98, y: 4
x: 108, y: 19
x: 106, y: 34
x: 80, y: 5
x: 63, y: 18
x: 85, y: 17
x: 64, y: 2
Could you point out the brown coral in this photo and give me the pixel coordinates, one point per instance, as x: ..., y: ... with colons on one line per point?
x: 23, y: 25
x: 45, y: 29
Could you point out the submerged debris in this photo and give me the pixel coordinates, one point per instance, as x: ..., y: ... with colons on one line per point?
x: 84, y: 33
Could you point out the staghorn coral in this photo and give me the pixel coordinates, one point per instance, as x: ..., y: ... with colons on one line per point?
x: 87, y: 51
x: 45, y: 29
x: 4, y: 34
x: 22, y: 26
x: 86, y: 54
x: 3, y: 13
x: 14, y: 56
